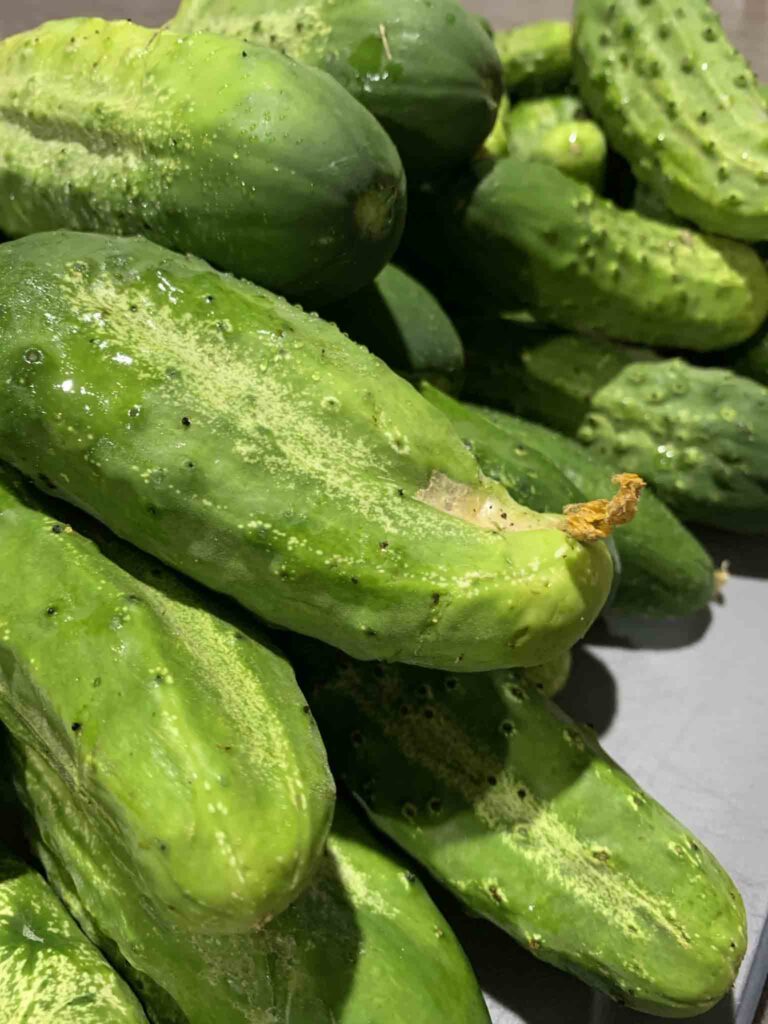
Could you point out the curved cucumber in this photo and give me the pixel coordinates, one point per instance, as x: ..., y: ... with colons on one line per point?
x: 525, y: 819
x: 428, y: 71
x: 49, y: 971
x: 260, y: 165
x: 752, y: 360
x: 696, y: 129
x: 528, y: 233
x: 364, y: 942
x: 255, y: 448
x: 184, y: 736
x: 536, y: 58
x: 497, y: 144
x: 400, y: 321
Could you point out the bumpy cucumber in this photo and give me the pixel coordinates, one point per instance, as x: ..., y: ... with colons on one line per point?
x: 400, y: 321
x: 49, y: 971
x: 664, y: 569
x: 186, y: 737
x: 521, y: 815
x: 554, y: 129
x: 428, y: 71
x: 363, y: 943
x: 536, y: 58
x: 234, y: 153
x: 698, y: 435
x: 528, y: 233
x: 254, y: 447
x: 696, y: 129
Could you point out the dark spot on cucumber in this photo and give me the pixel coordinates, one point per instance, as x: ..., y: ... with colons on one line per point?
x: 451, y: 682
x: 383, y: 545
x: 77, y: 726
x: 133, y: 308
x: 368, y: 631
x: 534, y: 943
x: 400, y: 492
x: 435, y: 805
x: 152, y: 509
x: 51, y: 610
x: 33, y: 355
x: 495, y: 894
x: 305, y: 709
x: 353, y: 579
x: 428, y: 712
x: 186, y: 421
x: 405, y: 710
x: 245, y: 53
x: 135, y: 410
x: 58, y: 528
x: 189, y: 465
x: 96, y: 682
x: 209, y: 298
x: 435, y: 598
x: 492, y: 780
x: 410, y: 877
x: 507, y: 728
x: 408, y: 811
x: 601, y: 855
x: 522, y: 793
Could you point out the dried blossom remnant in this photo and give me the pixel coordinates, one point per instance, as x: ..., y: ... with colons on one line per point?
x: 596, y: 520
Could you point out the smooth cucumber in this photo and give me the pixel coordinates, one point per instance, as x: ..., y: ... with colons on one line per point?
x: 519, y: 812
x: 536, y: 58
x: 235, y: 153
x: 400, y: 321
x: 527, y: 233
x: 364, y: 943
x: 183, y: 734
x: 664, y: 568
x: 427, y: 69
x: 255, y: 448
x: 696, y: 128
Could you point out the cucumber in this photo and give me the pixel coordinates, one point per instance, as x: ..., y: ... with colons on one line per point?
x: 428, y: 71
x: 698, y: 435
x: 497, y: 143
x: 525, y: 819
x: 696, y: 129
x: 752, y: 359
x: 184, y: 736
x: 234, y: 153
x: 363, y: 943
x: 400, y: 321
x: 648, y: 204
x: 664, y: 569
x: 536, y: 58
x: 255, y: 448
x: 49, y: 971
x: 551, y: 677
x: 529, y: 234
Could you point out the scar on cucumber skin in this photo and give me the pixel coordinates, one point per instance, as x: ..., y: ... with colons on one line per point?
x: 596, y: 520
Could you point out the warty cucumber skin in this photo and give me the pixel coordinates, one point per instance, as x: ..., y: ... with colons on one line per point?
x: 400, y: 321
x: 263, y: 167
x: 426, y: 69
x: 529, y: 233
x: 255, y: 448
x: 363, y: 943
x: 181, y: 732
x: 536, y: 58
x: 521, y: 815
x: 696, y: 129
x: 49, y: 970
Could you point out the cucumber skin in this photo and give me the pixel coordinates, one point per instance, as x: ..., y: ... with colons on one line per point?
x: 696, y: 108
x: 524, y: 818
x: 401, y: 322
x: 363, y: 943
x: 264, y: 167
x: 185, y: 735
x: 536, y: 58
x: 255, y: 448
x: 48, y: 969
x: 428, y: 71
x: 752, y: 360
x: 527, y: 233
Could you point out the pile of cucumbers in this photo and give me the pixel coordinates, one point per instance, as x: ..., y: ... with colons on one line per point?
x: 253, y: 551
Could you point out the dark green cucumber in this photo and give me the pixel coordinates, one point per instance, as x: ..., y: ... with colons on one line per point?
x: 49, y: 970
x: 698, y: 435
x: 664, y: 569
x: 400, y: 321
x: 255, y: 448
x: 426, y: 68
x: 527, y: 233
x: 264, y: 167
x: 521, y: 815
x: 536, y: 58
x: 695, y: 126
x: 363, y: 943
x: 185, y: 736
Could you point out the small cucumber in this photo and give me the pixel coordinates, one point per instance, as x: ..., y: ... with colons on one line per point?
x: 527, y: 233
x: 234, y: 153
x: 525, y: 819
x: 255, y: 448
x: 185, y: 736
x: 536, y: 58
x: 695, y: 128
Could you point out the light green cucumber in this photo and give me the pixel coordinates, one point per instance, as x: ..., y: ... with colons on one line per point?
x: 255, y: 448
x: 258, y: 164
x: 185, y: 738
x: 427, y: 70
x: 400, y: 321
x: 551, y: 677
x: 527, y: 233
x: 364, y: 943
x: 497, y: 143
x: 525, y: 819
x: 664, y: 569
x: 536, y: 58
x: 682, y: 105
